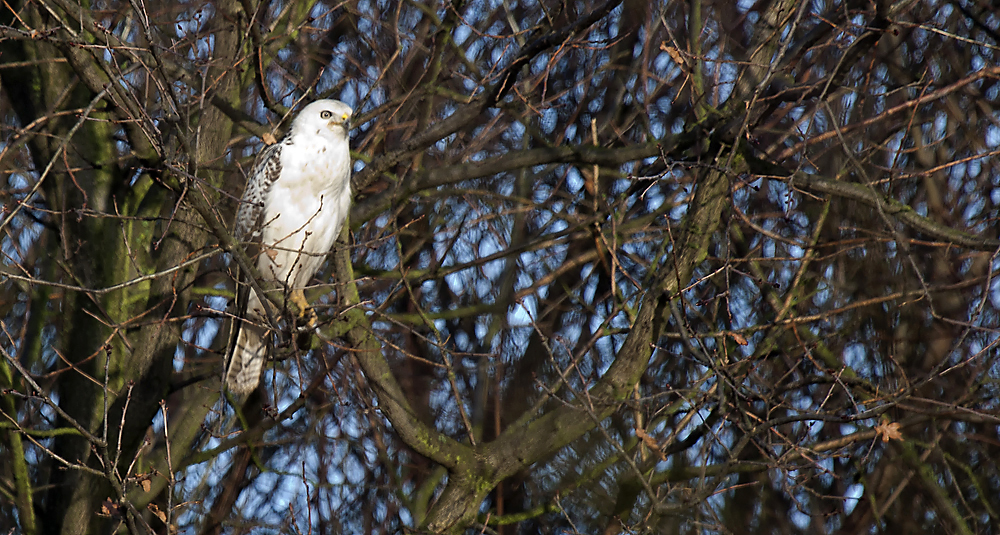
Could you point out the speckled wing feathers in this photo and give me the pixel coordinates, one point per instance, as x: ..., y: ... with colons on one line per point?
x: 265, y: 172
x: 249, y: 221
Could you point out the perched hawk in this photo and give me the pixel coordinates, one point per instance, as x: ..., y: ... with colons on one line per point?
x: 296, y: 201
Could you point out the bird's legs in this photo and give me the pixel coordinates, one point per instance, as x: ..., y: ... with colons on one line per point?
x: 307, y: 316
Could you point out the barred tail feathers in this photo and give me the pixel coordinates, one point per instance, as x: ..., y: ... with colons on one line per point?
x: 249, y: 354
x: 248, y: 348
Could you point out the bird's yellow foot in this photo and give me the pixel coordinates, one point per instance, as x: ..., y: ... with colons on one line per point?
x: 307, y: 319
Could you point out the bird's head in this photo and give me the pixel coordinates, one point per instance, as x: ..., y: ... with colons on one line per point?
x: 324, y: 117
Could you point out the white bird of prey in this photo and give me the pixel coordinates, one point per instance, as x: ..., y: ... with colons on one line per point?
x: 295, y: 202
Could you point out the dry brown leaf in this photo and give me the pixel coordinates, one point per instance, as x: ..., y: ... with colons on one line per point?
x: 109, y: 508
x: 144, y: 481
x: 738, y: 338
x: 650, y: 442
x: 888, y: 431
x: 156, y: 511
x: 642, y: 435
x: 268, y: 138
x: 674, y: 54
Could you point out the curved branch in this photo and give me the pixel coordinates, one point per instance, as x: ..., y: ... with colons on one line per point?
x: 903, y: 213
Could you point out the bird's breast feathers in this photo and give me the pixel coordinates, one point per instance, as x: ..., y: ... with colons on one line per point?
x: 316, y: 164
x: 305, y: 209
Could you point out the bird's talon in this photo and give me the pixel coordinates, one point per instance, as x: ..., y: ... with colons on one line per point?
x: 307, y: 320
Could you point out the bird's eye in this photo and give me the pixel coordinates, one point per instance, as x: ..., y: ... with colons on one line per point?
x: 325, y: 114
